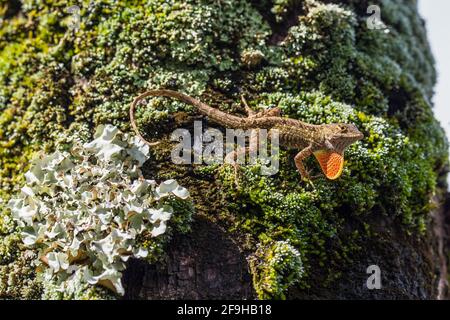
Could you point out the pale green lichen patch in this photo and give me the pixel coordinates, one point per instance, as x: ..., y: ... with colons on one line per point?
x: 87, y: 210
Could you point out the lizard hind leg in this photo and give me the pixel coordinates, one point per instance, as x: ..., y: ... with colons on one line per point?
x: 275, y: 112
x: 234, y: 156
x: 248, y: 110
x: 232, y: 159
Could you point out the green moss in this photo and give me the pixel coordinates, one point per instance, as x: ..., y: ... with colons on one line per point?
x: 179, y: 223
x: 56, y: 82
x: 18, y: 278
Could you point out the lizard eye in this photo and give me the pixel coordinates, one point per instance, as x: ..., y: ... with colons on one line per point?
x: 343, y: 129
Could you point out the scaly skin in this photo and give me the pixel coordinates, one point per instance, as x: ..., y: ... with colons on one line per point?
x: 327, y: 142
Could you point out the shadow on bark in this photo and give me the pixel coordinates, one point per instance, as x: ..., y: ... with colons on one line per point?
x: 204, y: 264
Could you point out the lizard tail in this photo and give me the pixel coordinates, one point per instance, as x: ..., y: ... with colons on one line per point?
x: 215, y: 115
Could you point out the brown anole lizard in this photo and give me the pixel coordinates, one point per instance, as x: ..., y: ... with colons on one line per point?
x: 327, y: 142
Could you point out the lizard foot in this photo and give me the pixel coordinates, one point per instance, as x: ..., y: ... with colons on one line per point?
x: 307, y: 176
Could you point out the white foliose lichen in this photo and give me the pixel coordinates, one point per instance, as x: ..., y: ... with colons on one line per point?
x: 84, y: 209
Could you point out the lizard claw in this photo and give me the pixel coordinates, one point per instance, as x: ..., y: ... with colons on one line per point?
x: 306, y: 175
x: 311, y: 183
x: 309, y: 180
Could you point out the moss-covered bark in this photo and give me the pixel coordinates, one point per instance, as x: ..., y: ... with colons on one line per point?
x: 316, y: 60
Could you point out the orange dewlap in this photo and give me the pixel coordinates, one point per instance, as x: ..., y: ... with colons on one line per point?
x: 331, y: 163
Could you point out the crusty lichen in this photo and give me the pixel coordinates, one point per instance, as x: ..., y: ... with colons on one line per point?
x: 56, y: 82
x: 275, y: 267
x: 88, y: 210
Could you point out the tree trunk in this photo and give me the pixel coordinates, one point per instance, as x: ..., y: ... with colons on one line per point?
x: 252, y: 236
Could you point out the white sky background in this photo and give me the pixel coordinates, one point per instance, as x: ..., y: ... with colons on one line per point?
x: 436, y: 15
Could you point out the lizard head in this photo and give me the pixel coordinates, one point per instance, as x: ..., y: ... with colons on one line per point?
x: 342, y: 135
x: 338, y: 137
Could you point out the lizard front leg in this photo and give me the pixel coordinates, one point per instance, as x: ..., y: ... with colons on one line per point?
x: 302, y: 155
